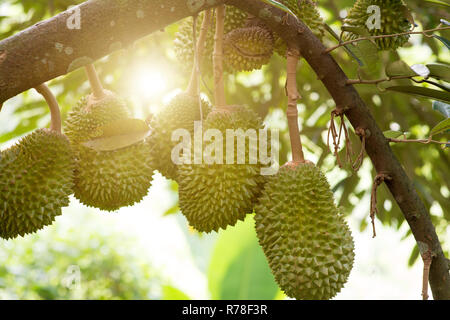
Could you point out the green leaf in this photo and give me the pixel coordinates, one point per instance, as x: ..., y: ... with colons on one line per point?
x: 173, y: 210
x: 440, y: 127
x: 392, y: 134
x: 362, y: 31
x: 346, y: 47
x: 120, y: 127
x: 279, y: 6
x: 440, y: 71
x: 438, y: 2
x: 119, y: 134
x: 368, y: 53
x: 442, y: 107
x: 171, y: 293
x: 414, y: 255
x: 399, y: 68
x: 443, y: 40
x: 422, y: 92
x: 238, y: 268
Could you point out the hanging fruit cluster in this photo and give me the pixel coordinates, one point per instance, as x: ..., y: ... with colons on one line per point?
x: 393, y: 19
x: 106, y: 158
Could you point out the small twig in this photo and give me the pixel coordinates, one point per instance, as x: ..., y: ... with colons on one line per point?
x: 384, y: 36
x: 361, y: 81
x: 219, y: 88
x: 292, y: 112
x: 379, y: 179
x: 427, y: 259
x: 96, y: 85
x: 52, y: 105
x: 422, y: 141
x: 332, y: 131
x: 359, y: 160
x: 199, y: 47
x: 337, y: 137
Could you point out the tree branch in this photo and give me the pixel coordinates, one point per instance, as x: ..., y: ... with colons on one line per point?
x: 49, y: 49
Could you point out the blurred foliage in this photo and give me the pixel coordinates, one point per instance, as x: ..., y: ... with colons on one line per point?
x: 238, y: 268
x: 78, y: 261
x: 427, y: 165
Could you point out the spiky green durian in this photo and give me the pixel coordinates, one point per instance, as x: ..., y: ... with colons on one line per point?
x: 214, y: 196
x: 183, y: 43
x: 35, y: 182
x: 89, y: 114
x: 393, y: 19
x: 246, y: 49
x: 107, y: 180
x: 305, y: 238
x: 179, y: 113
x: 306, y: 11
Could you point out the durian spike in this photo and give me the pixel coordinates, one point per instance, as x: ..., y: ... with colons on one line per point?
x: 52, y: 105
x: 193, y: 86
x: 96, y: 85
x: 219, y: 89
x: 292, y: 112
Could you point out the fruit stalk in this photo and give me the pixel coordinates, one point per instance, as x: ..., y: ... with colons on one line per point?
x: 219, y: 88
x: 292, y: 113
x: 198, y: 52
x: 52, y: 105
x: 96, y: 85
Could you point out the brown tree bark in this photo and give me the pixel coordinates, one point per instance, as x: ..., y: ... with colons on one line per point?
x: 49, y: 49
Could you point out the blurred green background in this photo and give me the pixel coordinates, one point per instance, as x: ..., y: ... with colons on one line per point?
x: 149, y: 252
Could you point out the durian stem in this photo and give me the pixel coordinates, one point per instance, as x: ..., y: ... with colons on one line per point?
x: 96, y: 85
x: 219, y: 88
x: 52, y: 105
x: 198, y: 52
x: 292, y: 112
x: 427, y: 259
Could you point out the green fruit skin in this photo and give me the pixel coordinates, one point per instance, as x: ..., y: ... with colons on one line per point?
x: 247, y: 49
x: 393, y: 20
x: 179, y: 113
x: 305, y: 238
x: 107, y: 180
x: 36, y: 179
x: 83, y: 121
x: 307, y: 12
x: 183, y: 43
x: 218, y: 195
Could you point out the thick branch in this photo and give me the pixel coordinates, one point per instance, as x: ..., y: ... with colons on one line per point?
x: 347, y: 99
x: 35, y: 56
x: 51, y: 48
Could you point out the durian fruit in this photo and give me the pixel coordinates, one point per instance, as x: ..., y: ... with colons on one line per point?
x: 393, y: 20
x: 304, y: 236
x: 214, y: 196
x: 35, y: 182
x: 249, y: 48
x: 183, y: 43
x: 180, y: 113
x: 307, y: 12
x: 90, y: 113
x: 107, y: 180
